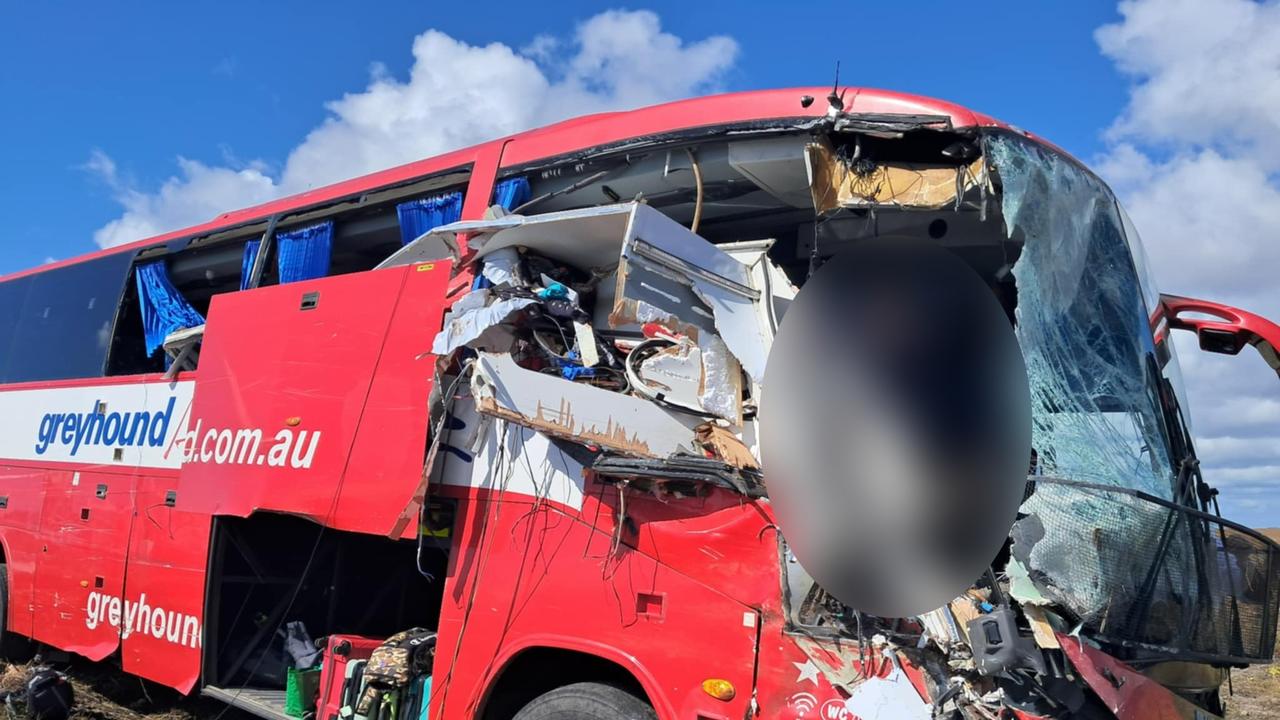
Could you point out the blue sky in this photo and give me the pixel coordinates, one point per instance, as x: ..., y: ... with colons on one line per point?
x: 236, y: 81
x: 121, y: 120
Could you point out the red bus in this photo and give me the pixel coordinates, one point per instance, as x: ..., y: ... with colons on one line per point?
x: 533, y: 431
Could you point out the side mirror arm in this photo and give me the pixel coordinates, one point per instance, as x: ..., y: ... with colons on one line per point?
x: 1227, y: 329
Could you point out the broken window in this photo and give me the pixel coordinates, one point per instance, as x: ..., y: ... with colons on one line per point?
x: 1107, y: 534
x: 1082, y: 324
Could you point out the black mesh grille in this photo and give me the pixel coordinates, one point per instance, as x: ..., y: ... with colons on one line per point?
x: 1142, y: 572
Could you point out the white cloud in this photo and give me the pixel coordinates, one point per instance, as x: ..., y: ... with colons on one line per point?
x: 199, y: 193
x: 226, y: 67
x: 1195, y: 157
x: 1206, y: 72
x: 455, y: 95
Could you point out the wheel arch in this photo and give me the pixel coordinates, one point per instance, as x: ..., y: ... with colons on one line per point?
x: 544, y: 663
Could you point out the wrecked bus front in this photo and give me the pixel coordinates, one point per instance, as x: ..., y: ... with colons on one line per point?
x: 630, y: 340
x: 1119, y: 591
x: 564, y: 477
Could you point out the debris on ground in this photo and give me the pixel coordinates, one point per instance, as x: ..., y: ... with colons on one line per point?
x: 103, y: 692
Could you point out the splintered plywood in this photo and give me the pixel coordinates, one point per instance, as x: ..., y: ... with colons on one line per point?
x: 835, y: 183
x: 574, y: 411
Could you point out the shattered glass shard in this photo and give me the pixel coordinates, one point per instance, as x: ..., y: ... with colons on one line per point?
x: 1081, y: 323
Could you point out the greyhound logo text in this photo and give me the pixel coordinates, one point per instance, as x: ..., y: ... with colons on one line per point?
x: 138, y: 616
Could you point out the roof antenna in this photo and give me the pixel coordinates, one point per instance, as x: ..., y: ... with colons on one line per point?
x: 835, y: 100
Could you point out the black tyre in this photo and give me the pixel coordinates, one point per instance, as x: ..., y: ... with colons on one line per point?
x: 587, y: 701
x: 12, y: 646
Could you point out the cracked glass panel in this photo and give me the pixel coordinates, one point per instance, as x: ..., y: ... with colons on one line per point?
x: 1082, y: 324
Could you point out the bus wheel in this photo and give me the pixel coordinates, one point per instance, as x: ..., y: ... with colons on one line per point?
x: 587, y: 701
x: 12, y: 646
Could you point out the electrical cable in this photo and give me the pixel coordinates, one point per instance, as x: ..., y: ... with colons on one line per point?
x: 436, y: 439
x: 697, y: 180
x: 484, y: 556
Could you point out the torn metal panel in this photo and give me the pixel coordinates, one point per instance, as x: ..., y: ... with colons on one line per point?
x: 892, y: 696
x: 649, y: 293
x: 775, y: 286
x: 746, y: 481
x: 672, y: 373
x: 471, y: 322
x: 494, y: 455
x: 701, y: 377
x: 739, y: 327
x: 720, y: 391
x: 428, y: 247
x: 587, y: 238
x: 839, y: 183
x: 576, y: 411
x: 700, y: 288
x: 501, y: 267
x: 665, y: 273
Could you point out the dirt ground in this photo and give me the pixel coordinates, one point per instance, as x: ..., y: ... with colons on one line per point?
x: 1257, y: 693
x: 104, y: 693
x: 1257, y: 689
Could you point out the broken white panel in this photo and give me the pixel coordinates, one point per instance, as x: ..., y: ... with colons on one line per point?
x: 660, y: 248
x: 471, y: 321
x: 673, y: 372
x: 502, y: 268
x: 736, y: 320
x: 941, y: 625
x: 499, y: 456
x: 586, y: 340
x: 702, y: 376
x: 892, y: 697
x: 587, y: 238
x: 576, y: 411
x: 427, y: 247
x: 721, y: 390
x: 772, y: 281
x: 664, y: 270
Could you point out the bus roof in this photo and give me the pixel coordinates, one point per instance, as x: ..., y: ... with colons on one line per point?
x: 577, y: 134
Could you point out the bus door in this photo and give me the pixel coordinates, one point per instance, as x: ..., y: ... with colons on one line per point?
x: 84, y: 531
x: 161, y: 635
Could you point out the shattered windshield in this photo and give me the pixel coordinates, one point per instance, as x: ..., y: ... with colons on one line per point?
x: 1082, y: 324
x: 1141, y: 573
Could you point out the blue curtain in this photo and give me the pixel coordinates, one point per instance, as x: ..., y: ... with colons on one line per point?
x: 164, y: 310
x: 247, y: 261
x: 512, y: 193
x: 419, y: 216
x: 304, y: 254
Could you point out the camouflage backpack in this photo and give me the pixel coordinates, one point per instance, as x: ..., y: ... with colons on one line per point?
x: 395, y: 662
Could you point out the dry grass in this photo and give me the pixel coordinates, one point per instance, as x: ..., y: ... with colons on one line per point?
x: 1257, y: 693
x: 104, y: 693
x: 1257, y: 689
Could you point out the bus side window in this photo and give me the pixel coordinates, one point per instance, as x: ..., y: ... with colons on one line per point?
x: 128, y: 351
x: 170, y: 308
x: 61, y: 325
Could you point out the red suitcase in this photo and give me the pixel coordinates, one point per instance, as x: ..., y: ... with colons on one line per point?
x: 340, y: 650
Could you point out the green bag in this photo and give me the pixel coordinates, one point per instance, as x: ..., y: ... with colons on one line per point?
x: 300, y: 691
